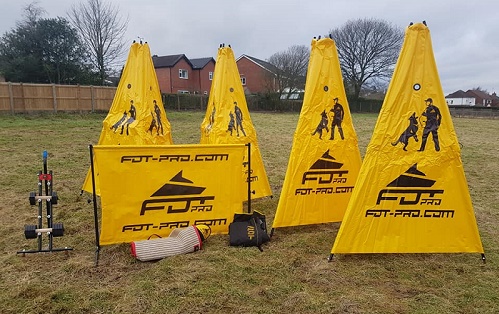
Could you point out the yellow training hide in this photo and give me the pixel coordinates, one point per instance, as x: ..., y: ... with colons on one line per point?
x: 137, y: 115
x: 228, y: 121
x: 325, y: 160
x: 411, y: 195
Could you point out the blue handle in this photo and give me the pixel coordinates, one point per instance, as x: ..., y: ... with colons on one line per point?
x: 45, y: 155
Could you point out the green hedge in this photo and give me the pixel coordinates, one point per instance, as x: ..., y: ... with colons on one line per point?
x: 259, y: 102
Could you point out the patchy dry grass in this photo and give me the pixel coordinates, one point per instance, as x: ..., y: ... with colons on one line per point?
x: 291, y: 275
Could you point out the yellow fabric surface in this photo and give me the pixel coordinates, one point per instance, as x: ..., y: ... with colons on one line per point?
x: 325, y: 159
x: 414, y: 200
x: 137, y: 115
x: 147, y: 190
x: 228, y: 120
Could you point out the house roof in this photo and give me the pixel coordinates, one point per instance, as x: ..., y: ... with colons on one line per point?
x: 168, y: 61
x: 458, y: 94
x: 478, y: 93
x: 470, y: 93
x: 200, y: 63
x: 264, y: 64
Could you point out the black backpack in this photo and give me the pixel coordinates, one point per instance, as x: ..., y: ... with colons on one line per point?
x: 248, y: 230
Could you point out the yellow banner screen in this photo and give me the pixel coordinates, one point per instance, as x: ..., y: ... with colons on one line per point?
x: 147, y: 190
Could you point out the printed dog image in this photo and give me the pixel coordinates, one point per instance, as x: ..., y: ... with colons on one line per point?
x: 409, y: 132
x: 322, y: 125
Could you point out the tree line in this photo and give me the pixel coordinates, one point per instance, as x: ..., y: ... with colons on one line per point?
x: 84, y: 48
x: 80, y: 49
x: 368, y: 50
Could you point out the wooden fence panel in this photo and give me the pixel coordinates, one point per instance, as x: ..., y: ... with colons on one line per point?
x: 19, y: 97
x: 5, y: 98
x: 37, y: 97
x: 103, y: 98
x: 67, y: 98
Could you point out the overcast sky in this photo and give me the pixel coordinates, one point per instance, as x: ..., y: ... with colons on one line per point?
x: 465, y: 34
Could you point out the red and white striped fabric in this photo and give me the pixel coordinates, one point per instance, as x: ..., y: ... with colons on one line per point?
x: 180, y: 241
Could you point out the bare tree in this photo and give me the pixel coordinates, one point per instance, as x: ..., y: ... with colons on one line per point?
x: 32, y: 12
x: 291, y: 68
x: 102, y: 29
x: 368, y: 50
x: 480, y: 89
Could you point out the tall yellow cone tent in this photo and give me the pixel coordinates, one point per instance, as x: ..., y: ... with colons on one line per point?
x: 411, y: 195
x: 227, y: 119
x: 325, y: 158
x: 137, y: 115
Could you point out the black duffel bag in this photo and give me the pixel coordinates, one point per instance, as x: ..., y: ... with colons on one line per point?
x: 248, y: 230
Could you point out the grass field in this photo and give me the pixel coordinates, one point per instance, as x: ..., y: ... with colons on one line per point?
x: 292, y: 275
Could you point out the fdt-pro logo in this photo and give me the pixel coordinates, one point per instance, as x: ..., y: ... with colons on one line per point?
x: 327, y: 173
x: 179, y: 195
x: 409, y: 192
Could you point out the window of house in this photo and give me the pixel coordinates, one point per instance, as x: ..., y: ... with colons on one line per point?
x: 183, y: 74
x: 243, y: 80
x: 210, y: 76
x: 184, y: 92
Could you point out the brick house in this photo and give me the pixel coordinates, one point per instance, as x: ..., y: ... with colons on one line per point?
x: 257, y: 76
x: 495, y: 99
x: 481, y: 98
x: 203, y: 69
x: 179, y: 74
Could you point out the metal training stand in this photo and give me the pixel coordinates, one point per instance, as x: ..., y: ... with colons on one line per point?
x: 50, y: 197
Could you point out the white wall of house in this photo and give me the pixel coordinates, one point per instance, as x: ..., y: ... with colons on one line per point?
x: 460, y: 101
x: 295, y: 93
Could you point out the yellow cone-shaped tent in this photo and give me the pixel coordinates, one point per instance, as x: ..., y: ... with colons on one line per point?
x: 325, y: 160
x: 137, y: 115
x: 411, y: 195
x: 228, y: 121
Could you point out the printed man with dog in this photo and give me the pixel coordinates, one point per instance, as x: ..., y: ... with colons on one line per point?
x: 433, y: 120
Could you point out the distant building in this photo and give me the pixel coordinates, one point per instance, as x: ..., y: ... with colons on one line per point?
x: 203, y: 69
x: 481, y: 98
x: 292, y: 94
x: 495, y: 100
x: 460, y: 98
x: 472, y: 97
x: 179, y: 74
x: 257, y: 76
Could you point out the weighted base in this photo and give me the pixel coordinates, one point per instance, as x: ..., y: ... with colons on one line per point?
x: 34, y: 199
x: 32, y: 232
